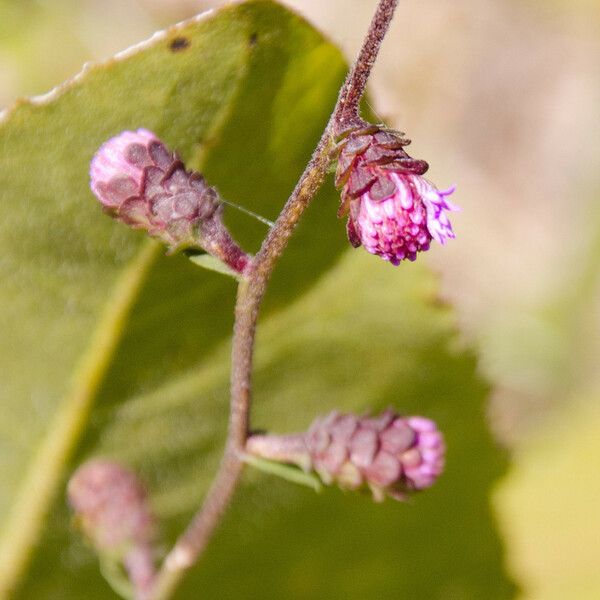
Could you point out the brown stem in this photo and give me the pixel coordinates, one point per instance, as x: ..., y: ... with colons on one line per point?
x: 356, y: 82
x: 218, y: 242
x: 251, y: 291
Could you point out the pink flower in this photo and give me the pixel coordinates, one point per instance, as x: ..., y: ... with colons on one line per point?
x: 393, y: 455
x: 390, y: 454
x: 429, y: 442
x: 404, y: 223
x: 112, y: 509
x: 111, y: 504
x: 117, y: 169
x: 140, y: 182
x: 394, y: 211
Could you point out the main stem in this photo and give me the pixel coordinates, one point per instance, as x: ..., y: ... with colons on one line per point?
x: 251, y: 291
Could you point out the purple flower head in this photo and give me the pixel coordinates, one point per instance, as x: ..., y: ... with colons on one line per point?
x: 112, y: 509
x: 111, y: 505
x: 117, y: 169
x: 390, y: 454
x: 393, y: 455
x: 393, y: 211
x: 139, y: 182
x: 427, y: 464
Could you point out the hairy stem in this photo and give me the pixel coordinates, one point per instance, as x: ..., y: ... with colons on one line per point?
x: 251, y: 291
x: 354, y: 87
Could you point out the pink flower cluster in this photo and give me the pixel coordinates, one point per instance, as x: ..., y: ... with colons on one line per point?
x: 111, y: 505
x: 403, y: 224
x: 141, y: 183
x: 393, y: 210
x: 390, y: 454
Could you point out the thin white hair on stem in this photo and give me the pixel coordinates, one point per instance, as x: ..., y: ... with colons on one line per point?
x: 379, y: 119
x: 258, y: 217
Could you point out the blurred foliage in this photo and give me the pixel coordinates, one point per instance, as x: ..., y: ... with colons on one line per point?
x: 504, y: 97
x: 555, y: 544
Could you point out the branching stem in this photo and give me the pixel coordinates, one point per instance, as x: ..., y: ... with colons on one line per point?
x: 251, y: 291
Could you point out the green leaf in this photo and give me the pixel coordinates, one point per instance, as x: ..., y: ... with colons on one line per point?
x: 114, y: 349
x: 212, y: 263
x: 115, y: 576
x: 368, y: 337
x: 72, y: 278
x: 342, y: 345
x: 287, y: 472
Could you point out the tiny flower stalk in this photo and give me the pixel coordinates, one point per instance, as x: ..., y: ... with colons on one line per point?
x: 393, y: 211
x: 390, y: 454
x: 140, y: 183
x: 112, y: 510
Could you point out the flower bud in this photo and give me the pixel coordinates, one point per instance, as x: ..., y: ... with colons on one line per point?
x: 392, y: 210
x: 391, y: 454
x: 112, y: 509
x: 139, y: 182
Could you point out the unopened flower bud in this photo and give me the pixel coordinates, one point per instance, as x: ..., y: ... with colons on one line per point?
x: 112, y: 509
x: 391, y: 454
x: 393, y: 211
x: 141, y: 183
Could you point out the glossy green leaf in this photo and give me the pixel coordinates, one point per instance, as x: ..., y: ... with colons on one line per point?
x: 111, y: 348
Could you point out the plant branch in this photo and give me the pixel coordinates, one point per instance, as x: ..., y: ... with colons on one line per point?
x: 354, y: 87
x: 251, y: 291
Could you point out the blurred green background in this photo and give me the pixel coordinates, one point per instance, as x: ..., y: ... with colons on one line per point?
x: 501, y: 97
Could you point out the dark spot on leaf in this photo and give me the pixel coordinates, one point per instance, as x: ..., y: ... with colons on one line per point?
x: 179, y: 43
x: 253, y: 40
